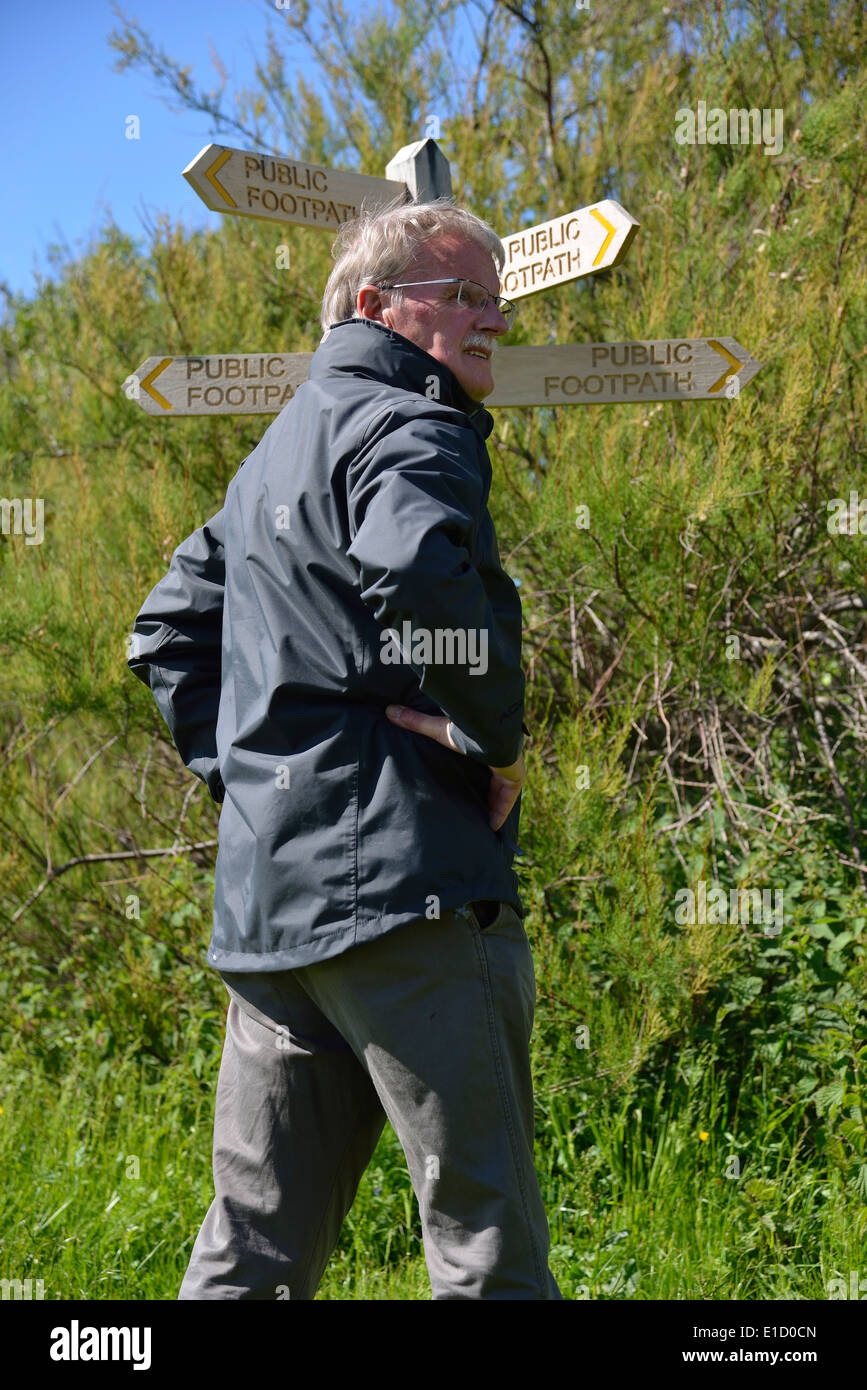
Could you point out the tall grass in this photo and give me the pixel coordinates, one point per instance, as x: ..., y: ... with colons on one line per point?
x: 107, y: 1179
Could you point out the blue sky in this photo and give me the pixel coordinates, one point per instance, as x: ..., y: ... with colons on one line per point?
x: 63, y: 112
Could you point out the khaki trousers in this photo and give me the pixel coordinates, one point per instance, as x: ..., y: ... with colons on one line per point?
x: 427, y: 1026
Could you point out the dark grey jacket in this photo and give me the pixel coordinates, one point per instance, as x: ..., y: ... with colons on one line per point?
x: 363, y: 508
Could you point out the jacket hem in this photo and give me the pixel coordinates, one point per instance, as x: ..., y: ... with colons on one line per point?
x: 337, y: 942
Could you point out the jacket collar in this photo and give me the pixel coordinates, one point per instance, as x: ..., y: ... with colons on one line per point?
x: 364, y: 347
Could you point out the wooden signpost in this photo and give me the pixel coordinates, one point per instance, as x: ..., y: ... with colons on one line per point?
x: 239, y: 383
x: 249, y: 184
x: 252, y: 383
x: 565, y: 248
x: 311, y: 195
x: 578, y: 243
x: 658, y: 369
x: 285, y: 190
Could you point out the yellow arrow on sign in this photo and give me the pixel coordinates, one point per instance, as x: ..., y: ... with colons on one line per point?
x: 729, y: 371
x: 211, y: 176
x: 609, y: 229
x: 151, y: 377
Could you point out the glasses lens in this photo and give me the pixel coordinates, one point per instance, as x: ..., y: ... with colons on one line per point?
x: 475, y: 297
x: 472, y: 296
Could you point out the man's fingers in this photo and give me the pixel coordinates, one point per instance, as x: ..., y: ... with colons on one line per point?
x: 501, y: 798
x: 503, y: 792
x: 433, y: 725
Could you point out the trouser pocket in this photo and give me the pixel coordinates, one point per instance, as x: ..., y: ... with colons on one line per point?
x: 485, y: 911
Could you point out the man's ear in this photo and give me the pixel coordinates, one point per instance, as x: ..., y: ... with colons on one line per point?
x: 368, y: 303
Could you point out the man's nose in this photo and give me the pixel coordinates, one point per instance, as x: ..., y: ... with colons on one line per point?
x: 492, y: 319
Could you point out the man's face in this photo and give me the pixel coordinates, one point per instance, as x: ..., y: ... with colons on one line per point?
x: 457, y: 335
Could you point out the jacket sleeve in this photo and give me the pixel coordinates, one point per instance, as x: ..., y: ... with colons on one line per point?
x: 176, y: 649
x: 414, y: 500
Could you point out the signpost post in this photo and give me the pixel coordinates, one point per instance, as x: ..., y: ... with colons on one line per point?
x: 252, y: 383
x: 423, y: 169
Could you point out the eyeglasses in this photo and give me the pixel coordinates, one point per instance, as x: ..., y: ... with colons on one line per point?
x: 470, y: 295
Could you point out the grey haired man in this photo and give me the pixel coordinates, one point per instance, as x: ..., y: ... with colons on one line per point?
x: 311, y: 650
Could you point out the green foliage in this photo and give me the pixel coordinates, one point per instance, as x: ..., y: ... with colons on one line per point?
x: 696, y: 655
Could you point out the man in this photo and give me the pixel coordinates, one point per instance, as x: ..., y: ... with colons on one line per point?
x: 337, y: 655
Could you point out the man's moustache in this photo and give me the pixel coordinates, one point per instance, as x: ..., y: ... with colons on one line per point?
x: 479, y: 340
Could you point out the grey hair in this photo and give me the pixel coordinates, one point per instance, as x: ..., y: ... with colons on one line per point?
x: 377, y: 247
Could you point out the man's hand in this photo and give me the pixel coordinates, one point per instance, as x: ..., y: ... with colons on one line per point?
x: 506, y: 782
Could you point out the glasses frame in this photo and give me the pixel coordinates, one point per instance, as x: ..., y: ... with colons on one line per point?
x: 505, y: 306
